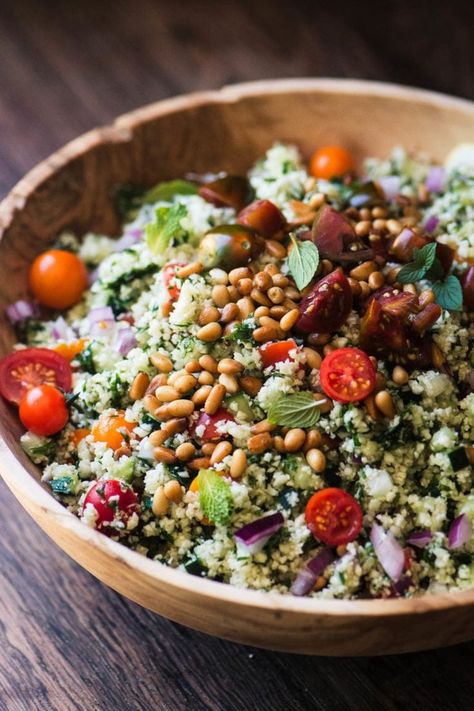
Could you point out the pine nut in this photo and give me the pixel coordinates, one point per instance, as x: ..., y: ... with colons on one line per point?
x: 376, y: 280
x: 262, y: 281
x: 208, y: 448
x: 363, y: 271
x: 193, y: 366
x: 271, y: 269
x: 160, y: 502
x: 245, y: 286
x: 250, y: 385
x: 220, y: 295
x: 230, y: 366
x: 316, y: 460
x: 139, y: 386
x: 275, y: 249
x: 157, y: 437
x: 380, y: 381
x: 166, y: 393
x: 313, y: 440
x: 260, y: 298
x: 233, y: 292
x: 122, y: 452
x: 276, y: 295
x: 313, y: 359
x: 185, y: 451
x: 400, y: 375
x: 327, y: 266
x: 155, y: 382
x: 317, y: 200
x: 394, y: 227
x: 222, y: 450
x: 326, y: 404
x: 264, y: 334
x: 214, y: 399
x: 230, y: 383
x: 245, y: 307
x: 206, y: 378
x: 237, y: 274
x: 208, y: 363
x: 259, y: 442
x: 219, y: 276
x: 263, y: 426
x: 364, y: 289
x: 294, y: 439
x: 150, y: 403
x: 261, y: 311
x: 161, y: 362
x: 370, y: 406
x: 269, y: 322
x: 185, y: 383
x: 201, y: 394
x: 362, y: 228
x: 209, y: 314
x: 209, y: 333
x: 410, y: 289
x: 426, y: 297
x: 230, y: 312
x: 173, y: 491
x: 280, y: 280
x: 426, y: 318
x: 437, y: 356
x: 320, y: 583
x: 292, y: 293
x: 278, y: 311
x: 385, y: 404
x: 289, y: 304
x: 175, y: 425
x: 199, y: 463
x: 379, y: 212
x: 279, y: 444
x: 289, y: 319
x: 173, y: 377
x: 365, y: 213
x: 164, y: 454
x: 188, y: 269
x: 238, y: 464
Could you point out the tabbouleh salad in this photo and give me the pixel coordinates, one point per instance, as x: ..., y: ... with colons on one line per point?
x: 267, y: 380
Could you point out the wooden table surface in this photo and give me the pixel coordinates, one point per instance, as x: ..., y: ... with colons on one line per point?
x: 66, y: 641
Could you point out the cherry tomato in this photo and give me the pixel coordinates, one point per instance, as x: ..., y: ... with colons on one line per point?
x: 272, y: 353
x: 347, y: 375
x: 262, y: 216
x: 114, y: 501
x: 210, y: 423
x: 333, y: 516
x: 78, y: 435
x: 70, y: 350
x: 168, y: 273
x: 114, y: 430
x: 404, y: 245
x: 330, y: 162
x: 229, y: 246
x: 58, y: 279
x: 335, y: 238
x: 43, y: 410
x: 227, y: 191
x: 327, y: 306
x: 467, y: 282
x: 30, y: 367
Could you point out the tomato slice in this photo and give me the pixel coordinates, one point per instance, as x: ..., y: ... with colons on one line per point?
x: 168, y: 274
x: 333, y: 516
x: 262, y: 216
x: 327, y: 306
x: 43, y: 410
x: 114, y: 501
x: 210, y: 424
x: 278, y: 352
x: 29, y: 367
x: 347, y: 375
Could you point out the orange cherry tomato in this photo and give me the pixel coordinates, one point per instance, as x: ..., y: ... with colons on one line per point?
x: 70, y: 350
x: 347, y: 375
x: 333, y: 516
x: 331, y: 161
x: 114, y: 430
x: 43, y: 410
x: 58, y: 279
x: 78, y: 435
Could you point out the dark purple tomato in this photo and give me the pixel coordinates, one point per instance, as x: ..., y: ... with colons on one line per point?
x: 327, y: 306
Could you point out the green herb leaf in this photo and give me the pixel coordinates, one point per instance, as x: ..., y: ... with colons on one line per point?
x: 215, y: 498
x: 242, y: 332
x: 167, y: 225
x: 167, y: 191
x: 422, y: 263
x: 127, y: 199
x: 303, y: 262
x: 297, y: 410
x: 449, y: 293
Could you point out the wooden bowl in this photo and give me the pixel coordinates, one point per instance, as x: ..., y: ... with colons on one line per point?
x: 228, y: 130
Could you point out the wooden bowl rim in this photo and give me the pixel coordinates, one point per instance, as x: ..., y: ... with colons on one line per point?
x: 24, y: 486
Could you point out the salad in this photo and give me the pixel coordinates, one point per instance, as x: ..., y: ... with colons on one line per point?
x: 267, y: 380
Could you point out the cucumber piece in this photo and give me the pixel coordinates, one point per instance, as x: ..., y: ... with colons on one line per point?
x: 240, y: 403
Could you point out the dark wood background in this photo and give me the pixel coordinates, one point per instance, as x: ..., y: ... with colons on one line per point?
x: 66, y: 641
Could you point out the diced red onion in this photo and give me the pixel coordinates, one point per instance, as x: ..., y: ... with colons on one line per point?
x: 253, y: 536
x: 100, y: 313
x: 93, y: 276
x: 460, y: 532
x: 399, y: 588
x: 128, y: 239
x: 420, y: 538
x: 431, y: 223
x: 390, y: 184
x: 435, y: 179
x: 389, y: 552
x: 125, y: 340
x: 306, y: 578
x: 60, y: 330
x: 21, y: 310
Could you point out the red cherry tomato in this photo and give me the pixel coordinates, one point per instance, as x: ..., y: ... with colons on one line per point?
x: 262, y: 216
x: 333, y: 516
x: 327, y: 306
x: 272, y: 353
x: 227, y: 191
x: 29, y: 367
x: 43, y: 410
x: 58, y: 278
x: 169, y: 273
x: 331, y: 161
x: 467, y: 282
x: 114, y: 501
x: 211, y: 424
x: 347, y: 375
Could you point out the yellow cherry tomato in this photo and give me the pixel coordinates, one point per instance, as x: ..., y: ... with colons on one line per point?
x: 114, y: 430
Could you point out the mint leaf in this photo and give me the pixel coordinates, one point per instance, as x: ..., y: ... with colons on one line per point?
x: 215, y: 498
x: 423, y: 260
x: 436, y: 272
x: 166, y: 191
x: 167, y: 225
x: 448, y: 293
x: 297, y: 410
x: 303, y: 262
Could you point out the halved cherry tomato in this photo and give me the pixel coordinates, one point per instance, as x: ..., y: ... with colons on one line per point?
x: 347, y: 375
x: 467, y: 282
x: 262, y: 216
x: 43, y: 410
x: 210, y: 423
x: 227, y: 191
x: 29, y: 367
x: 168, y: 273
x: 114, y: 430
x: 331, y: 161
x: 114, y: 501
x: 336, y: 239
x: 70, y: 350
x: 58, y: 279
x: 78, y: 435
x: 229, y: 246
x: 333, y: 516
x: 404, y: 245
x: 272, y: 353
x: 327, y: 306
